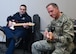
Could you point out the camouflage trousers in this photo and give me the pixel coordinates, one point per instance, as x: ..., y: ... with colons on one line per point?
x: 43, y: 45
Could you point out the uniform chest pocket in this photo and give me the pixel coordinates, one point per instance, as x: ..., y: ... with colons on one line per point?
x: 59, y: 29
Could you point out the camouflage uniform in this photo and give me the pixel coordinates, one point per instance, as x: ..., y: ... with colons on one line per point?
x: 63, y: 34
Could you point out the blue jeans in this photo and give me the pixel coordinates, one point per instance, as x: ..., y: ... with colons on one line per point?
x: 12, y: 34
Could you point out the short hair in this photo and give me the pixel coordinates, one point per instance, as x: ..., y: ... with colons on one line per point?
x: 53, y: 4
x: 23, y: 5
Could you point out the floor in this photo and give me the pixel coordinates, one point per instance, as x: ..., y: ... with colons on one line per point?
x: 17, y: 51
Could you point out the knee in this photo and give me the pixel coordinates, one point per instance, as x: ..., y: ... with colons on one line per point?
x: 35, y: 45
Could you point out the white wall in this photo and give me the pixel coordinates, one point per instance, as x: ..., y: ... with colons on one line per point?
x: 9, y: 7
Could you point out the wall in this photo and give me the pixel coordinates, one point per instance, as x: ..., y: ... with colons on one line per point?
x: 9, y: 7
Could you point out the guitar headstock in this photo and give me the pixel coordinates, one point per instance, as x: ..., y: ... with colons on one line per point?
x: 31, y: 24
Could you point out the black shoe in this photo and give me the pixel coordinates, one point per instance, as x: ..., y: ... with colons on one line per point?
x: 17, y: 40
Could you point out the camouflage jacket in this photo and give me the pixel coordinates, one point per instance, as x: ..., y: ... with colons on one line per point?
x: 62, y: 29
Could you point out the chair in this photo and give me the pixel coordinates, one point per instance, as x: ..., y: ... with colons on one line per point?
x: 2, y: 42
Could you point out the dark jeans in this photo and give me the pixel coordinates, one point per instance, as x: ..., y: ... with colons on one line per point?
x: 12, y: 35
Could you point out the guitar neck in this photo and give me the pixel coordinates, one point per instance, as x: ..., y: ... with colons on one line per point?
x: 21, y: 24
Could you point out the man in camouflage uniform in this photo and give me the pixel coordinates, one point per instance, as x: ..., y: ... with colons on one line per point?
x: 59, y: 34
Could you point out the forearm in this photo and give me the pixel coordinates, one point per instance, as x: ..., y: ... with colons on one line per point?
x: 65, y: 39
